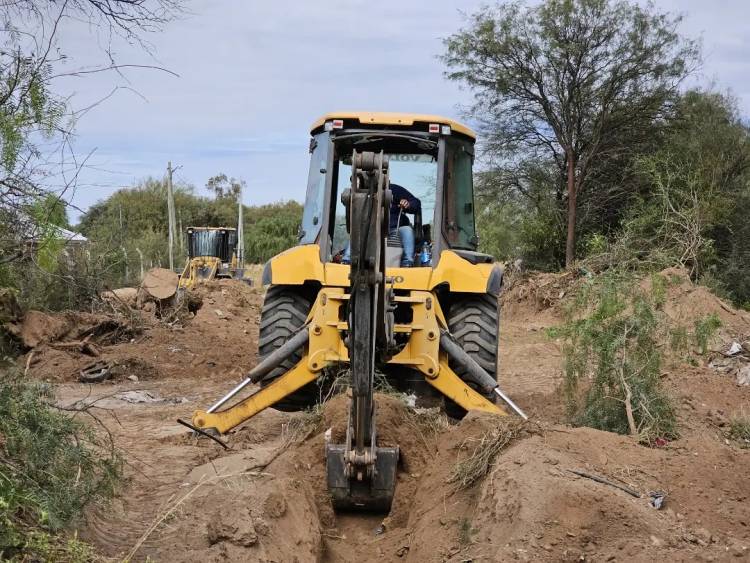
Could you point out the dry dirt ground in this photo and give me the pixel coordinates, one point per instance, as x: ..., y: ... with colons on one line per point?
x: 264, y: 499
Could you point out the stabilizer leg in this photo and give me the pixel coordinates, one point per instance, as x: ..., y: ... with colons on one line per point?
x: 223, y: 421
x: 453, y: 387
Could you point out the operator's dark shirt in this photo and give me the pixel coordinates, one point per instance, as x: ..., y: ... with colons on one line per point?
x: 415, y: 206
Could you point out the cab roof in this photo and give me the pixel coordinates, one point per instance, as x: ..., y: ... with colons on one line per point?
x: 390, y: 118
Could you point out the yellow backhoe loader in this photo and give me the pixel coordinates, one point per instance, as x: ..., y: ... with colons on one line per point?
x: 340, y: 297
x: 212, y: 254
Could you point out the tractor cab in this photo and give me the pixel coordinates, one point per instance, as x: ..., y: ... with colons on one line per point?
x: 430, y: 157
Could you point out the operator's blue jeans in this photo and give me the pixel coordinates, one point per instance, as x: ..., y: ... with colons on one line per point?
x: 407, y: 243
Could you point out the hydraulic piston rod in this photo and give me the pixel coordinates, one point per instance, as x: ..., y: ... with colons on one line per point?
x: 274, y: 359
x: 475, y: 373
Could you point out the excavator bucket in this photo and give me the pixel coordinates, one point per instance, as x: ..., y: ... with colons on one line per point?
x: 373, y: 494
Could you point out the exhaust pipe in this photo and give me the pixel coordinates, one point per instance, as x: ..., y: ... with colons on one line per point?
x: 474, y: 372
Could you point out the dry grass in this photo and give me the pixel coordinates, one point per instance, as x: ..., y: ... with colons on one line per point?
x: 739, y: 431
x: 484, y: 450
x: 302, y: 426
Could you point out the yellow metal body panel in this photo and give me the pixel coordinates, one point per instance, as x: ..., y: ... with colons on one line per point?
x: 297, y: 265
x: 302, y: 263
x: 326, y: 345
x: 189, y: 275
x: 393, y: 118
x: 422, y: 350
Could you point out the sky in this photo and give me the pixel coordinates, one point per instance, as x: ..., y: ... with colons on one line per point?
x: 252, y: 76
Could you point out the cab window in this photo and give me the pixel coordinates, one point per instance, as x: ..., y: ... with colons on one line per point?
x: 458, y: 223
x: 312, y: 218
x: 415, y: 172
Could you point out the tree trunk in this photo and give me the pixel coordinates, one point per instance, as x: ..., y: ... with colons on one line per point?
x: 570, y: 245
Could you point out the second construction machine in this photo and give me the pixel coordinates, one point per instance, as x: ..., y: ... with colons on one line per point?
x: 213, y: 253
x: 431, y: 329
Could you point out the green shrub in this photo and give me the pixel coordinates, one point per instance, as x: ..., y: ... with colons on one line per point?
x: 52, y: 465
x: 613, y: 359
x: 705, y: 331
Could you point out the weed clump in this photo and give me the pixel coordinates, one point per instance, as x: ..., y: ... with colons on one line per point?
x: 739, y: 431
x: 52, y: 465
x: 705, y: 331
x: 484, y: 451
x: 612, y: 353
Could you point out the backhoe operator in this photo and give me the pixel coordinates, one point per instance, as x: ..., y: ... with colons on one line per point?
x: 403, y: 202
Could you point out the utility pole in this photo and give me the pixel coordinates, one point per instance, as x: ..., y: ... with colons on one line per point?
x: 140, y: 255
x: 170, y: 213
x: 127, y: 272
x: 240, y: 234
x: 180, y: 233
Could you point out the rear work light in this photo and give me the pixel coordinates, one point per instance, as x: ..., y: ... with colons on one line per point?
x: 437, y: 128
x: 334, y: 124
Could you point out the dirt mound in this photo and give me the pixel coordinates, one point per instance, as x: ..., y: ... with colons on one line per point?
x: 535, y: 293
x: 37, y: 328
x: 687, y: 303
x: 266, y: 498
x: 214, y: 332
x: 246, y: 516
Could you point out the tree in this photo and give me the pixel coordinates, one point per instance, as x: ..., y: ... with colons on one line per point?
x: 224, y: 187
x: 131, y: 225
x: 568, y: 82
x: 694, y: 208
x: 36, y: 125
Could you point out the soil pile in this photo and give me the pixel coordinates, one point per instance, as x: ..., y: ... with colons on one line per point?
x: 532, y: 297
x: 36, y: 328
x: 211, y: 331
x: 687, y: 303
x: 530, y: 506
x: 239, y: 508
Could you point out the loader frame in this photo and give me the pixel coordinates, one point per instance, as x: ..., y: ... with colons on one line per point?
x: 326, y: 347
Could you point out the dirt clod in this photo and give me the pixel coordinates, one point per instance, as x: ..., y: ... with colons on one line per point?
x: 275, y: 505
x: 233, y: 524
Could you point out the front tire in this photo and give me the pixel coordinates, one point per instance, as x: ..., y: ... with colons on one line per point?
x: 284, y: 313
x: 474, y: 321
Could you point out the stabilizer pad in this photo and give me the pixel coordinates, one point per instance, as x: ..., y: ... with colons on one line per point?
x: 349, y: 494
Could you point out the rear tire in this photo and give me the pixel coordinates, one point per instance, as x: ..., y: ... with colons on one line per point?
x: 285, y: 311
x: 474, y: 321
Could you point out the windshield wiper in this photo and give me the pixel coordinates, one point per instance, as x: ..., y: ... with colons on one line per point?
x: 367, y: 137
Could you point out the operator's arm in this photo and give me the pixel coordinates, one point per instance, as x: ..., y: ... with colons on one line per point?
x: 400, y: 193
